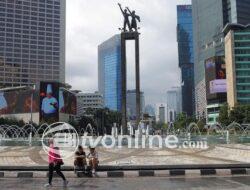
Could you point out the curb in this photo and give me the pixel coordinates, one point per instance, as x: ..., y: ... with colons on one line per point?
x: 139, y: 173
x: 25, y: 175
x: 115, y: 174
x: 238, y: 171
x: 177, y: 172
x: 1, y: 174
x: 208, y: 172
x: 144, y: 173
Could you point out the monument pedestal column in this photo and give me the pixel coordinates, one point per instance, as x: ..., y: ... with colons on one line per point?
x: 130, y: 36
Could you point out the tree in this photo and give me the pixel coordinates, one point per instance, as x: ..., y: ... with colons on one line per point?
x: 240, y: 114
x: 84, y: 121
x: 182, y: 121
x: 201, y: 124
x: 11, y: 121
x: 247, y: 114
x: 224, y: 115
x: 237, y: 114
x: 105, y: 118
x: 89, y: 111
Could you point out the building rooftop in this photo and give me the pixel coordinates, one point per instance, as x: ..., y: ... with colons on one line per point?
x: 235, y: 26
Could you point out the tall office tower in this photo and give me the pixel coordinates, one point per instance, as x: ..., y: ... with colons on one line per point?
x: 150, y: 110
x: 237, y: 56
x: 32, y: 41
x: 109, y: 72
x: 131, y: 104
x: 161, y: 113
x: 186, y: 56
x: 209, y: 19
x: 174, y: 103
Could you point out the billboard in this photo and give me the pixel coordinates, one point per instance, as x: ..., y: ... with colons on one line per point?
x: 67, y: 102
x: 19, y: 102
x: 218, y: 86
x: 49, y: 102
x: 215, y: 73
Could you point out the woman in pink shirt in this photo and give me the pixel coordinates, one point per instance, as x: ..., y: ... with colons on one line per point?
x: 55, y: 162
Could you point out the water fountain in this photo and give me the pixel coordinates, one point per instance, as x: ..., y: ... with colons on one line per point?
x: 193, y: 129
x: 114, y: 130
x: 233, y: 133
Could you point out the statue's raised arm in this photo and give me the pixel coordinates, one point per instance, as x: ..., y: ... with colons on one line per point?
x: 129, y: 11
x: 121, y: 8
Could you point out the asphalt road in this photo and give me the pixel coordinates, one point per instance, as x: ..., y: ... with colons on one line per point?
x: 146, y: 183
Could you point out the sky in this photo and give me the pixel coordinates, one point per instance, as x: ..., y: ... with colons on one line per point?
x: 91, y: 22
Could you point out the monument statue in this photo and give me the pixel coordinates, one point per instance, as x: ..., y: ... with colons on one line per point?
x: 134, y: 19
x: 126, y: 19
x: 130, y: 34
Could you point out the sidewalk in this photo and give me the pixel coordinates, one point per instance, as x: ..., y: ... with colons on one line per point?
x: 216, y: 154
x: 145, y: 183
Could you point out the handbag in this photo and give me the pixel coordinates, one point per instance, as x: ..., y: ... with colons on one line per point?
x: 59, y: 162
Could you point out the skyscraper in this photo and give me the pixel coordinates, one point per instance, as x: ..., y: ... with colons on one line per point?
x: 109, y: 72
x: 174, y: 103
x: 209, y: 19
x: 131, y: 103
x: 237, y: 55
x: 160, y: 113
x: 186, y: 56
x: 150, y: 110
x: 32, y: 41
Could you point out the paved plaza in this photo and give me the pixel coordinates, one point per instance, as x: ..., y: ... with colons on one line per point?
x: 147, y: 183
x: 215, y: 154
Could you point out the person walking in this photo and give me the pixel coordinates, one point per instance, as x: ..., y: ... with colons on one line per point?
x: 55, y: 163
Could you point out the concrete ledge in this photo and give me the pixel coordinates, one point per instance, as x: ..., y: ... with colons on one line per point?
x: 25, y: 174
x: 115, y: 174
x: 208, y: 172
x: 132, y: 168
x: 177, y: 172
x: 1, y: 174
x: 143, y: 173
x: 238, y: 171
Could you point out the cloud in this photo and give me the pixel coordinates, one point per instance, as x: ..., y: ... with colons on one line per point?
x: 89, y: 23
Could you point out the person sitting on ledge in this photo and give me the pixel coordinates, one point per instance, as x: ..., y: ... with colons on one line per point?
x: 80, y: 160
x: 93, y: 159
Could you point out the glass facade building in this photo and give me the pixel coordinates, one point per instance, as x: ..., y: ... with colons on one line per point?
x: 109, y: 72
x: 186, y: 56
x: 131, y: 104
x: 237, y: 53
x: 209, y: 19
x: 32, y: 41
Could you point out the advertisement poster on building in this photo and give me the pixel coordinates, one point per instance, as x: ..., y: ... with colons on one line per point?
x: 49, y: 103
x: 19, y: 102
x: 215, y: 72
x: 67, y: 102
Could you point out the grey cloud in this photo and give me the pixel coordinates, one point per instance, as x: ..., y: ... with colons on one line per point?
x: 89, y: 23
